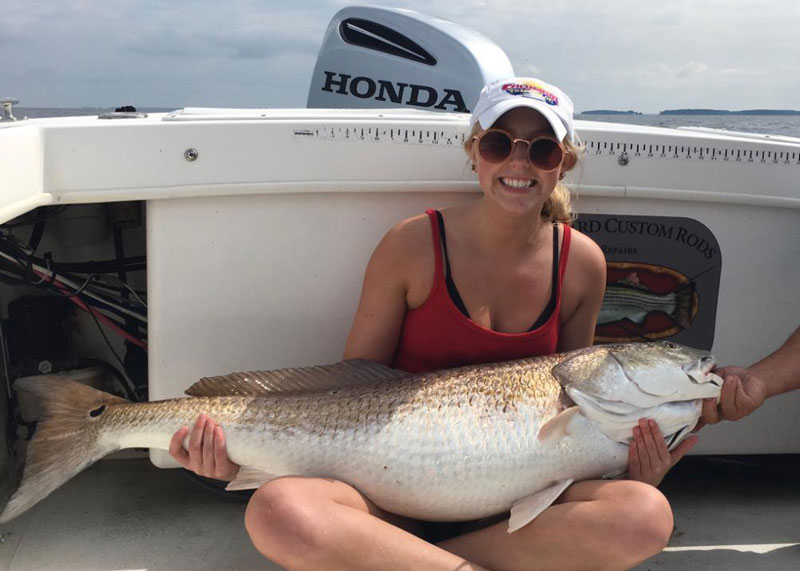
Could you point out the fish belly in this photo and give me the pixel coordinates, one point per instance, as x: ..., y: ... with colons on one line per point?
x: 439, y: 469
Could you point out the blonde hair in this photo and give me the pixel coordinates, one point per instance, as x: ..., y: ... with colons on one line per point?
x: 557, y: 207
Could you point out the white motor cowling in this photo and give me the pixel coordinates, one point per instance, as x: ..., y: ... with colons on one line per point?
x: 382, y: 57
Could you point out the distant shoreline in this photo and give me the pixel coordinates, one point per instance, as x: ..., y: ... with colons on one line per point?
x: 609, y: 112
x: 748, y: 112
x: 778, y: 112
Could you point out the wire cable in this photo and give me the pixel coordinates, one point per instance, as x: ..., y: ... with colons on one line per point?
x: 51, y: 275
x: 109, y: 323
x: 83, y: 287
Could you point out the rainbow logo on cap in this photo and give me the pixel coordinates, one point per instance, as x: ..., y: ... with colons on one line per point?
x: 532, y: 90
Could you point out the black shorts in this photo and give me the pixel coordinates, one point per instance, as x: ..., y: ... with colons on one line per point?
x: 436, y: 531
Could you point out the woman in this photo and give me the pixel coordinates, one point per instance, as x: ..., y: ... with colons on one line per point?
x: 500, y: 278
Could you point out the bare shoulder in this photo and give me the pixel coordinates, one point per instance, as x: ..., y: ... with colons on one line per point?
x: 583, y: 288
x: 586, y: 258
x: 410, y: 233
x: 404, y: 246
x: 392, y: 283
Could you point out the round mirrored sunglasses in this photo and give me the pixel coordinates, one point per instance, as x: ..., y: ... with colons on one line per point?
x: 495, y: 146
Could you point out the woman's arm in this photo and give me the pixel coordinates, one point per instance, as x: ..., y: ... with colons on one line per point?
x: 374, y: 336
x: 582, y: 293
x: 378, y: 321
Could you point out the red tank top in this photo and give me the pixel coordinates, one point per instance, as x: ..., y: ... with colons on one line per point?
x: 436, y: 335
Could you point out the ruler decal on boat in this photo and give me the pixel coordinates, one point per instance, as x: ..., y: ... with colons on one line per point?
x: 627, y: 150
x: 693, y: 152
x: 405, y: 135
x: 645, y: 150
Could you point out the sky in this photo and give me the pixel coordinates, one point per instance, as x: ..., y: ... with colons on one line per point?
x: 645, y: 55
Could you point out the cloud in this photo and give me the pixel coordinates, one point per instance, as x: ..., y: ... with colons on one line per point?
x: 691, y: 69
x: 528, y: 70
x: 224, y: 45
x: 624, y: 54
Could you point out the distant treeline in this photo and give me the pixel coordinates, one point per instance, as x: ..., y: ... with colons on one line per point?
x: 609, y: 112
x: 697, y: 112
x: 726, y: 112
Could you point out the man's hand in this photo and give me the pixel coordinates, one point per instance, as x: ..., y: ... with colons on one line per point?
x: 207, y: 455
x: 649, y: 459
x: 742, y: 392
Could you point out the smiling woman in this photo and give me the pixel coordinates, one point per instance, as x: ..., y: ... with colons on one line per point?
x: 494, y: 145
x: 286, y: 206
x: 508, y: 252
x: 508, y: 278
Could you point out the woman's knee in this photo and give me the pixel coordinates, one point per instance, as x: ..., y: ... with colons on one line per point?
x: 645, y: 517
x: 283, y: 518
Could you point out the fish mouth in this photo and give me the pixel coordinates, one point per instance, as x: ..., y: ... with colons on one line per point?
x: 699, y: 372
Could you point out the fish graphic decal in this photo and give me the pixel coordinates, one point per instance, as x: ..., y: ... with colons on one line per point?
x: 645, y: 301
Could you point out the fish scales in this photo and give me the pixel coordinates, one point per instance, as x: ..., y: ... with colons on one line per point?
x: 456, y: 444
x: 454, y: 433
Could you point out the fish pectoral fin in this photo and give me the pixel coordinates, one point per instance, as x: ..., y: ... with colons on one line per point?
x: 527, y: 509
x: 249, y: 479
x: 615, y: 474
x: 349, y: 373
x: 557, y: 427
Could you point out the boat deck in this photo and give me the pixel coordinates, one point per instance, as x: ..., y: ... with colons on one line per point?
x: 732, y: 513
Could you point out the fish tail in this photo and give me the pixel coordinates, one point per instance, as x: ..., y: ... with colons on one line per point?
x: 66, y: 440
x: 683, y: 304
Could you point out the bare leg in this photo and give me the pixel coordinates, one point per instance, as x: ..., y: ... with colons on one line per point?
x: 594, y: 525
x: 311, y: 523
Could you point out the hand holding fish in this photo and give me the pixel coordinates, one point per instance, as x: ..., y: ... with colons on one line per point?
x: 746, y: 388
x: 649, y: 459
x: 742, y: 393
x: 206, y: 455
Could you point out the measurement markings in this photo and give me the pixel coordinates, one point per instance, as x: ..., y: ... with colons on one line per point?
x: 689, y: 152
x: 427, y: 137
x: 456, y: 138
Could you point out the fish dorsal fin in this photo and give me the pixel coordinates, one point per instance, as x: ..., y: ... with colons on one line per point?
x: 632, y: 280
x: 349, y: 373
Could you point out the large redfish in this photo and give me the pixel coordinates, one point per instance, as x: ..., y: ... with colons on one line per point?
x: 456, y: 444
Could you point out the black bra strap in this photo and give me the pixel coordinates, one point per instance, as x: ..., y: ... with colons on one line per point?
x: 456, y: 297
x: 451, y: 286
x: 551, y: 305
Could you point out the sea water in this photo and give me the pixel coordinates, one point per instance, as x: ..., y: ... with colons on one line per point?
x: 785, y: 125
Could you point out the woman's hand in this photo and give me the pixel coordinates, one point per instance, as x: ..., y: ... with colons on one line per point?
x: 206, y: 455
x: 649, y: 460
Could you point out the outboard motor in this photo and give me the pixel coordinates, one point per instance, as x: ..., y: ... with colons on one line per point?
x: 385, y: 57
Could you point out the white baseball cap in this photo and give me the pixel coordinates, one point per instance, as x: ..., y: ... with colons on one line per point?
x: 504, y: 94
